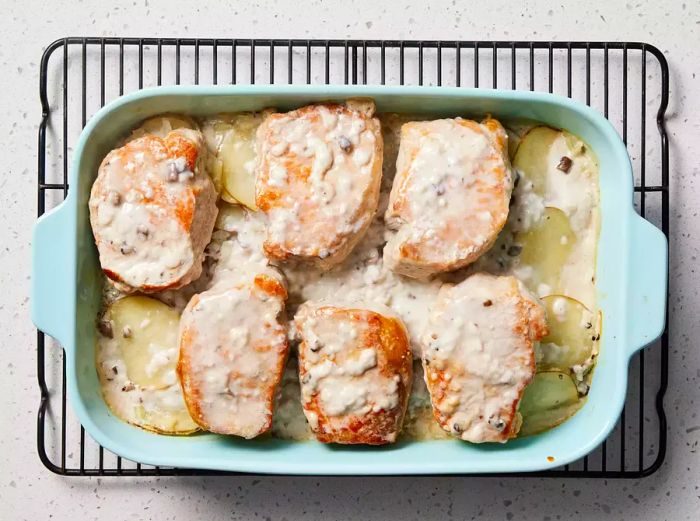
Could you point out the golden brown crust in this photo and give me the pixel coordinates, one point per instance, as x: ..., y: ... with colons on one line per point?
x: 194, y: 209
x: 270, y: 346
x: 520, y: 321
x: 387, y: 335
x: 328, y: 244
x: 419, y: 257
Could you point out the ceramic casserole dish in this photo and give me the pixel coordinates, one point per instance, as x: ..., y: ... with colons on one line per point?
x: 631, y: 289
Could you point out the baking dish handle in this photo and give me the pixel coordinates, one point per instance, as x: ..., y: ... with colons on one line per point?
x: 52, y: 269
x: 648, y: 273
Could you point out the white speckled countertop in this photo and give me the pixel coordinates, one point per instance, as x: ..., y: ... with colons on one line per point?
x: 29, y: 491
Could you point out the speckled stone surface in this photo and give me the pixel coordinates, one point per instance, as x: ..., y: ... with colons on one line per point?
x: 28, y: 491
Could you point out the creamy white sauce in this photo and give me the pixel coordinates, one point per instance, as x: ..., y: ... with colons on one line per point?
x: 341, y: 370
x: 289, y: 421
x: 143, y: 208
x: 479, y: 339
x: 234, y: 361
x: 559, y: 307
x: 316, y: 171
x: 363, y: 276
x: 527, y: 209
x: 572, y: 192
x: 160, y: 359
x: 450, y: 196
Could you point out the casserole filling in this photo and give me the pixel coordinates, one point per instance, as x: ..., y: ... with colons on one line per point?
x: 548, y: 243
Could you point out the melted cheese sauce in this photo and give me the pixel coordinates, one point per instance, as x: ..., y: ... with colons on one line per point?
x: 451, y: 194
x: 478, y: 350
x: 233, y: 351
x: 316, y: 180
x: 363, y: 276
x: 141, y: 211
x: 346, y: 385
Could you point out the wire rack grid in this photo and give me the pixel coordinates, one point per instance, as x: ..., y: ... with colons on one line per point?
x: 627, y: 82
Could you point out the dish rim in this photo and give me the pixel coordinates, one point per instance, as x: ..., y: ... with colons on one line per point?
x: 65, y: 215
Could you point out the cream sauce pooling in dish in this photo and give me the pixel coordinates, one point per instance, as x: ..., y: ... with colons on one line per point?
x: 316, y: 180
x: 232, y: 352
x: 345, y: 385
x: 450, y: 195
x: 147, y: 206
x: 363, y: 276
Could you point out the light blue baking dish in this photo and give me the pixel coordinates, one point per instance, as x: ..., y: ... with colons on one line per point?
x: 631, y: 267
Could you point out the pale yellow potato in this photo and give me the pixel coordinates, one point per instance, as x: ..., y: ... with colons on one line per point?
x: 546, y: 247
x: 153, y: 327
x: 162, y: 125
x: 548, y: 401
x: 532, y: 156
x: 231, y: 139
x: 216, y: 171
x: 572, y: 330
x: 137, y: 352
x: 516, y: 130
x: 560, y: 168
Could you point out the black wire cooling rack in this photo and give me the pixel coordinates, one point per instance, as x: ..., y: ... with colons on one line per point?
x: 627, y: 82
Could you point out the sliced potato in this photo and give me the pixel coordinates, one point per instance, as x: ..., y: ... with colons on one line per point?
x: 231, y: 138
x: 549, y: 400
x: 226, y: 196
x: 137, y: 354
x: 532, y: 157
x: 154, y: 417
x: 546, y: 247
x: 516, y: 130
x: 238, y: 158
x: 161, y: 125
x: 542, y: 421
x: 149, y: 333
x: 574, y: 144
x: 558, y: 164
x: 216, y: 171
x: 513, y: 143
x: 548, y: 390
x: 571, y: 333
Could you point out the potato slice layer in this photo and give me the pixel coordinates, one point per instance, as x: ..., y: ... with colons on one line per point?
x: 532, y: 156
x: 546, y: 247
x: 572, y: 331
x: 549, y: 400
x: 137, y: 353
x: 232, y: 139
x: 148, y: 330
